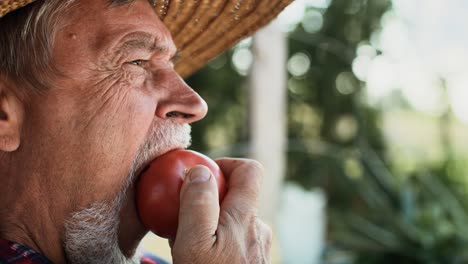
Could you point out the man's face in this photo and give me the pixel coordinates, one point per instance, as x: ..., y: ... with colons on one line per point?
x: 115, y: 103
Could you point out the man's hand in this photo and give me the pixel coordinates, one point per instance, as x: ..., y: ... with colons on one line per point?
x: 234, y: 234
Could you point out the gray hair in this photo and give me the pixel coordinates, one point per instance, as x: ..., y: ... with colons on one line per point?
x: 27, y: 37
x: 26, y: 40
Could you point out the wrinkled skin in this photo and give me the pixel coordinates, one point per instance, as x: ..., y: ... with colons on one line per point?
x: 76, y: 144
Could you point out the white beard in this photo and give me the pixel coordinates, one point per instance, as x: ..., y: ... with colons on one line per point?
x: 91, y: 234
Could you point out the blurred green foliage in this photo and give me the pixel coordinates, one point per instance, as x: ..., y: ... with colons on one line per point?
x: 335, y: 142
x: 225, y: 91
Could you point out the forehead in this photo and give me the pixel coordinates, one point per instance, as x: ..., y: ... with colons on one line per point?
x: 101, y: 23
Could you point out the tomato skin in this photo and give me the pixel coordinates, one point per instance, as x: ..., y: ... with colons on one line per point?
x: 158, y: 189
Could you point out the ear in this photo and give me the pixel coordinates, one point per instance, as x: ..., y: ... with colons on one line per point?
x: 11, y: 116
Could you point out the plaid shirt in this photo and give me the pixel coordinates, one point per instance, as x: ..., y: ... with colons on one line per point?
x: 11, y: 252
x: 14, y: 253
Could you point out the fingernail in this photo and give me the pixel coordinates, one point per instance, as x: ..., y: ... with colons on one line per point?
x: 199, y: 174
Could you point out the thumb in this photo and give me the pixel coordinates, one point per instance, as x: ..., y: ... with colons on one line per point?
x: 199, y: 206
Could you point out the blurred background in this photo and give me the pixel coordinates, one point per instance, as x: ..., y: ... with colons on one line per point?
x: 359, y: 111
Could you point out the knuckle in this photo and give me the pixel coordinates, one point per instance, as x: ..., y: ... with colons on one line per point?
x: 251, y: 192
x: 265, y: 231
x: 255, y: 172
x: 256, y: 166
x: 239, y: 217
x: 240, y: 220
x: 264, y: 225
x: 268, y: 233
x: 248, y: 241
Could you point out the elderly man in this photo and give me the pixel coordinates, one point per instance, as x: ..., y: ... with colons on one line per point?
x: 90, y: 93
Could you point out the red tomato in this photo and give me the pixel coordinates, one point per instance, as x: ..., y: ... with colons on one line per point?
x: 159, y: 187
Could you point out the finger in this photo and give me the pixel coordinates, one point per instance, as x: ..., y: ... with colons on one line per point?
x: 228, y: 165
x: 264, y: 238
x: 199, y: 206
x: 244, y: 180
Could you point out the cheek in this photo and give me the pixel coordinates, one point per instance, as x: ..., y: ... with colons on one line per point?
x: 122, y: 105
x: 131, y: 120
x: 137, y: 118
x: 128, y: 132
x: 117, y: 129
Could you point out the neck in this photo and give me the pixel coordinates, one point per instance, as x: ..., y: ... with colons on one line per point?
x: 26, y: 217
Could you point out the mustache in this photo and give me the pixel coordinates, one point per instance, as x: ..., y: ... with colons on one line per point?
x: 162, y: 137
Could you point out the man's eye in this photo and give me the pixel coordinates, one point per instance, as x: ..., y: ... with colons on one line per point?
x: 139, y: 63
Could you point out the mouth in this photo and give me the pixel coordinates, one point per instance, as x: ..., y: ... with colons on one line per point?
x: 141, y: 168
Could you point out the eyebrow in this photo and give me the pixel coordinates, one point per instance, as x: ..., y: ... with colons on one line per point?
x: 140, y: 40
x: 147, y: 42
x: 126, y: 2
x: 119, y: 2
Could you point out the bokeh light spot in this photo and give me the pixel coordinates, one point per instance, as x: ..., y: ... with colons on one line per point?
x: 313, y: 21
x: 299, y: 64
x: 346, y: 128
x: 346, y: 83
x: 242, y: 60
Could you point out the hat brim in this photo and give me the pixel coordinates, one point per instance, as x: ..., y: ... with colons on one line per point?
x: 202, y: 29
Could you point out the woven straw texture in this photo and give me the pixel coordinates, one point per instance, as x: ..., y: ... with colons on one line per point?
x: 10, y: 5
x: 202, y: 29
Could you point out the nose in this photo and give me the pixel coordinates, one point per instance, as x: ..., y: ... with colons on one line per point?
x: 179, y: 101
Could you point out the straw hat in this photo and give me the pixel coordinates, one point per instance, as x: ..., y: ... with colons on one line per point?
x: 202, y: 29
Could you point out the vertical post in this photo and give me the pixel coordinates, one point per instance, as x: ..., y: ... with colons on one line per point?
x: 268, y: 113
